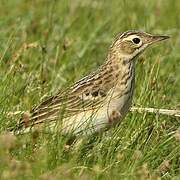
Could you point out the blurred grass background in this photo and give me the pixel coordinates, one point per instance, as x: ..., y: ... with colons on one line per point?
x: 45, y: 45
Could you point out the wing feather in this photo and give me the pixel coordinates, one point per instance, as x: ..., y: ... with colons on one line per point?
x: 86, y: 94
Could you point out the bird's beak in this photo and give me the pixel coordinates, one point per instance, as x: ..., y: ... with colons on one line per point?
x: 157, y: 38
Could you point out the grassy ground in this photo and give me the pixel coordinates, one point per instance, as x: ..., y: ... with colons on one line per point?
x: 71, y: 38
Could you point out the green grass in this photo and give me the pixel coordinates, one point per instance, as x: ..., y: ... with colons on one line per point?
x: 73, y: 38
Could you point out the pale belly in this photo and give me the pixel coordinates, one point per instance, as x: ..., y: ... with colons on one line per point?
x: 90, y: 122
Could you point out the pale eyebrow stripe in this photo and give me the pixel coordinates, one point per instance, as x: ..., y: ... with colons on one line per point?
x: 131, y: 37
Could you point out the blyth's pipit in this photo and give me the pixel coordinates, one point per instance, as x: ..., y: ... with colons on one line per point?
x: 99, y: 100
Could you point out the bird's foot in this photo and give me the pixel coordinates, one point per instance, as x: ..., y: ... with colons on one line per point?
x: 114, y: 117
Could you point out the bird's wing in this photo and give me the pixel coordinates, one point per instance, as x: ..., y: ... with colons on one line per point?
x: 87, y: 94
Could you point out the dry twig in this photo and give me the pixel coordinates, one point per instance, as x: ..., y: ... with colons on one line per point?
x: 169, y: 112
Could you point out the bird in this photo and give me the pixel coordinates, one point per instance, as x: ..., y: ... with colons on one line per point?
x: 99, y: 100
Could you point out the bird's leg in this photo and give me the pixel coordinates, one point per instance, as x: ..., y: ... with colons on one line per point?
x: 69, y: 143
x: 114, y: 117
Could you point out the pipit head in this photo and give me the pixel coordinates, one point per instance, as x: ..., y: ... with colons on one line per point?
x: 132, y: 43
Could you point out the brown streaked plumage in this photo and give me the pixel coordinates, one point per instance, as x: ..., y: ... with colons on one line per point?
x: 98, y: 100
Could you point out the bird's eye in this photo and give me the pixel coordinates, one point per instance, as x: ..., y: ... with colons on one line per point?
x: 136, y: 40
